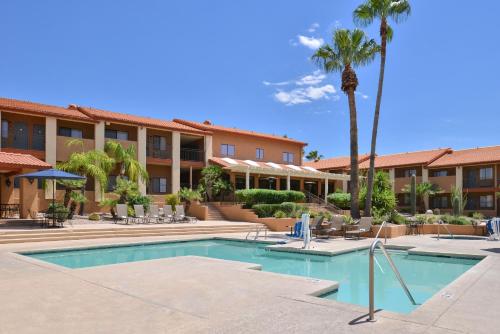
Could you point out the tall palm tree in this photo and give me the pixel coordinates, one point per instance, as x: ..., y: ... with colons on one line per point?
x: 125, y: 158
x: 364, y: 15
x: 314, y: 156
x: 350, y: 49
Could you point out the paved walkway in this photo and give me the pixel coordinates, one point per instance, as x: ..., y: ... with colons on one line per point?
x: 202, y: 295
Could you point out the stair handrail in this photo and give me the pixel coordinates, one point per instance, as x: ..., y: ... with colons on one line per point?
x: 322, y: 201
x: 371, y: 278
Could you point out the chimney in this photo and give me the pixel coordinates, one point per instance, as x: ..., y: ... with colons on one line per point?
x: 207, y: 122
x: 73, y: 107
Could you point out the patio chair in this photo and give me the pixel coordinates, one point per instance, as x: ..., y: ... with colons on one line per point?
x: 318, y: 228
x: 121, y: 213
x: 337, y: 223
x: 364, y: 225
x: 181, y: 215
x: 168, y: 214
x: 139, y: 213
x: 154, y: 213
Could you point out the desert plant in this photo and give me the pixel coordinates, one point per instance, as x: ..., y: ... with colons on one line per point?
x: 188, y: 196
x: 350, y: 49
x: 458, y: 200
x: 397, y: 218
x: 77, y: 198
x: 422, y: 191
x: 456, y: 220
x: 477, y: 216
x: 348, y: 220
x: 94, y: 216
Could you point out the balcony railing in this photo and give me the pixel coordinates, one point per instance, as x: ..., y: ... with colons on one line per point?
x: 190, y: 154
x: 37, y: 144
x: 159, y: 154
x: 475, y: 183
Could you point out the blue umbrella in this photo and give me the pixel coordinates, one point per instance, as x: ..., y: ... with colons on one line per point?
x: 52, y: 174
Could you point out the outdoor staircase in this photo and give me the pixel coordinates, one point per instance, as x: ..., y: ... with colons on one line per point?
x: 319, y: 204
x: 41, y: 235
x: 214, y: 212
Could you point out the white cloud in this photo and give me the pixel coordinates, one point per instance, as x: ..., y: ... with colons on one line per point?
x: 282, y: 83
x: 306, y: 94
x: 312, y: 79
x: 310, y: 42
x: 337, y: 24
x: 313, y: 27
x: 363, y: 95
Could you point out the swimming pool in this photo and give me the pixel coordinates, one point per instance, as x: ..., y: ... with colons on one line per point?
x: 424, y: 275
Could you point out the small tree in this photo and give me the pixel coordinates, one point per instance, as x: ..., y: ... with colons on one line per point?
x: 422, y: 191
x: 314, y: 156
x: 213, y: 182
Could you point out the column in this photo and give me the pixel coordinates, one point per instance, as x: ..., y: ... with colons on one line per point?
x: 191, y: 177
x: 326, y: 190
x: 176, y: 162
x: 278, y: 183
x: 256, y: 181
x: 141, y: 155
x: 50, y: 150
x: 301, y: 185
x: 425, y: 178
x: 208, y: 149
x: 288, y: 182
x: 28, y: 196
x: 0, y: 129
x: 459, y: 178
x: 392, y: 177
x: 247, y: 179
x: 344, y: 186
x: 99, y: 141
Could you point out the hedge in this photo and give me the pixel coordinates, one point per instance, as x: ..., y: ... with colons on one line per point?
x: 251, y: 197
x: 269, y: 210
x: 341, y: 200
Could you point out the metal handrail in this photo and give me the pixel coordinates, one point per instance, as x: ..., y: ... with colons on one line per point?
x: 371, y: 310
x: 321, y: 201
x: 385, y: 232
x: 257, y: 232
x: 446, y: 228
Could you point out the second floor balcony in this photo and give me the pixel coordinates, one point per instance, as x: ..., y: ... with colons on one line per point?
x: 159, y: 153
x: 192, y: 154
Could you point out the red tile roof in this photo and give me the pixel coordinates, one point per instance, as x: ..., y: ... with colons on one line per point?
x: 406, y: 159
x: 100, y: 114
x: 42, y: 109
x: 207, y: 126
x: 335, y: 163
x: 16, y: 161
x: 470, y: 156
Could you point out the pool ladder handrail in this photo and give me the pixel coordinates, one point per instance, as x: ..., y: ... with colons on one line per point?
x: 258, y: 228
x: 371, y: 310
x: 440, y: 222
x: 380, y: 230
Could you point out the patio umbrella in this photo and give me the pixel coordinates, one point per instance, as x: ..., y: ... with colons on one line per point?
x: 53, y: 175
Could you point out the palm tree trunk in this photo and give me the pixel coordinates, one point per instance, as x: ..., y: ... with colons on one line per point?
x: 371, y: 170
x: 354, y: 187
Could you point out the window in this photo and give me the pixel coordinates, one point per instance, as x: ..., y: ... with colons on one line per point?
x: 5, y: 129
x: 259, y: 154
x: 288, y: 157
x: 486, y: 201
x: 486, y: 173
x: 111, y: 183
x: 240, y: 182
x: 440, y: 202
x: 438, y: 173
x: 115, y: 134
x: 159, y: 185
x: 227, y: 150
x: 68, y: 132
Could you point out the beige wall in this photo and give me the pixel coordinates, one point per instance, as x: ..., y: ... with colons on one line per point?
x: 64, y: 151
x: 400, y: 182
x: 443, y: 182
x: 245, y: 147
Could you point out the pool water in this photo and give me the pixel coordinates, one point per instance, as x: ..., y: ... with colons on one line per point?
x: 424, y: 275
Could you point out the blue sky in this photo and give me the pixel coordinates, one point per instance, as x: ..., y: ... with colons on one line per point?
x: 246, y: 64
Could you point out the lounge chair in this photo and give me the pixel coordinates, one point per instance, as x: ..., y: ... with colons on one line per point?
x: 318, y: 228
x: 180, y: 215
x: 121, y: 213
x: 153, y: 213
x: 139, y: 213
x: 168, y: 214
x: 364, y: 225
x: 337, y: 223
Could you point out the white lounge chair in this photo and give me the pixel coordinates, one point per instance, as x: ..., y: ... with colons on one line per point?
x: 364, y: 225
x: 153, y: 213
x: 121, y: 213
x: 180, y: 215
x: 139, y: 213
x: 168, y: 214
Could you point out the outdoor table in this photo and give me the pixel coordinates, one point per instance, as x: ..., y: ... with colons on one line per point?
x: 348, y: 227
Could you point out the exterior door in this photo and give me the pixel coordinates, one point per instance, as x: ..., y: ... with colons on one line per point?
x: 20, y: 139
x: 38, y: 137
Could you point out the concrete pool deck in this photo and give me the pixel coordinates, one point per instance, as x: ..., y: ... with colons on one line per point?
x: 202, y: 295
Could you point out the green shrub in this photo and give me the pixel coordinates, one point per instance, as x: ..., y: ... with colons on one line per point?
x: 268, y: 210
x: 341, y: 200
x: 94, y: 216
x: 456, y: 220
x: 140, y: 200
x: 426, y: 218
x: 349, y: 220
x: 251, y: 197
x: 280, y: 214
x: 477, y: 216
x: 173, y: 200
x: 397, y: 218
